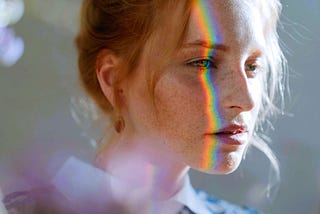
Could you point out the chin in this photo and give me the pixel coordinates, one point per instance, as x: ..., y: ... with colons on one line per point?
x: 225, y: 164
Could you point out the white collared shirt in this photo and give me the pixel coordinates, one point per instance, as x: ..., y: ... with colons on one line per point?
x: 80, y: 181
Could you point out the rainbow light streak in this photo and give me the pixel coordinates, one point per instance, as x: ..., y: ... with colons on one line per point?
x: 210, y: 32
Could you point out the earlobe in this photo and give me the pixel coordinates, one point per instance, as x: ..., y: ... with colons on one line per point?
x: 106, y: 70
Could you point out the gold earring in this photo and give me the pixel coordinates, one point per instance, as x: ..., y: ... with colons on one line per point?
x: 119, y: 125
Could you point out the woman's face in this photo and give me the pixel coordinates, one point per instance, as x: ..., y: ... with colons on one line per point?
x: 208, y: 96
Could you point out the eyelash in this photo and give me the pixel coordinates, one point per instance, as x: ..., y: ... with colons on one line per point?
x: 206, y: 63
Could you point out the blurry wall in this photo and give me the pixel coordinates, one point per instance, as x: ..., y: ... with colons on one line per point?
x: 37, y: 130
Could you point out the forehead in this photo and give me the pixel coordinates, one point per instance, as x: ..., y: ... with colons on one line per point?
x: 236, y: 23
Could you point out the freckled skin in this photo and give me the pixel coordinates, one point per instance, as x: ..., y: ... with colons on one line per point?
x: 171, y: 133
x: 179, y: 121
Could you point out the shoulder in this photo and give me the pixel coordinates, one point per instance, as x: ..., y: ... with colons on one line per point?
x: 219, y: 206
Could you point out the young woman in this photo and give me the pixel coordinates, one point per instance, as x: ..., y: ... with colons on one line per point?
x: 186, y: 85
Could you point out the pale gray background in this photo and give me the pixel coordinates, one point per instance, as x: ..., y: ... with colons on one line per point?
x: 36, y: 127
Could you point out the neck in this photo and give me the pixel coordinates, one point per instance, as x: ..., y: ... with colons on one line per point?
x: 141, y: 166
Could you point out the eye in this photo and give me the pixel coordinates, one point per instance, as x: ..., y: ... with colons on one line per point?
x: 203, y: 63
x: 252, y: 69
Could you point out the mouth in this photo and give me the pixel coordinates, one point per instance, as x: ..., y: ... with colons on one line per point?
x: 232, y: 135
x: 232, y: 129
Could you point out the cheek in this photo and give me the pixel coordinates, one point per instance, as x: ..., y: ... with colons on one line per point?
x: 141, y: 112
x: 180, y: 108
x: 256, y: 89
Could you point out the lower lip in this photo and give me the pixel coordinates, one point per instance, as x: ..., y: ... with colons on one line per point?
x: 232, y: 139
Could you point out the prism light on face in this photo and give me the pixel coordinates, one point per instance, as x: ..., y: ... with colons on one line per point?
x: 210, y: 31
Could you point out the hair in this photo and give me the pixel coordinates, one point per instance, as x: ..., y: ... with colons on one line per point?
x: 123, y: 27
x: 126, y: 27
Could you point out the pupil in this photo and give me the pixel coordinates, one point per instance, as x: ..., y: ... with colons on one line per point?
x: 252, y: 67
x: 204, y: 63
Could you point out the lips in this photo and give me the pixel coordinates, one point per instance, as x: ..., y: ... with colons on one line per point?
x: 232, y: 135
x: 232, y: 130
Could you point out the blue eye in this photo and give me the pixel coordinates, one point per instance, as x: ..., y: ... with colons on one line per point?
x: 252, y: 69
x: 203, y: 63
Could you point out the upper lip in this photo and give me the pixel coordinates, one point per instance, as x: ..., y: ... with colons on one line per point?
x: 232, y: 129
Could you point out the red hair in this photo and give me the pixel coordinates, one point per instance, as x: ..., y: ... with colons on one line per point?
x: 125, y: 27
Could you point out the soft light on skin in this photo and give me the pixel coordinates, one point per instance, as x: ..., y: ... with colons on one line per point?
x: 209, y: 155
x: 191, y: 102
x: 210, y: 32
x: 231, y: 94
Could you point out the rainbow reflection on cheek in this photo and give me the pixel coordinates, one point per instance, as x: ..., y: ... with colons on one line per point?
x: 209, y: 154
x: 209, y: 30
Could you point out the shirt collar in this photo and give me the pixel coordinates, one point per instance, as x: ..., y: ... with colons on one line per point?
x: 188, y: 197
x: 78, y: 180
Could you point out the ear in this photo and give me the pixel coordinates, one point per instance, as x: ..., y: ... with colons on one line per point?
x: 107, y: 65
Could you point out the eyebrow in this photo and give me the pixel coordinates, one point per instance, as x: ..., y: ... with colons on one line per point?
x: 206, y: 44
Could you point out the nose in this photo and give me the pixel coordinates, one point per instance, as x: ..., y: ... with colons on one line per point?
x: 237, y: 93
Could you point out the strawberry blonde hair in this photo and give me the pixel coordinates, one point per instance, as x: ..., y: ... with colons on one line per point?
x: 125, y: 27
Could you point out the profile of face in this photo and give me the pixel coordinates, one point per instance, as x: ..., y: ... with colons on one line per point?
x: 207, y: 98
